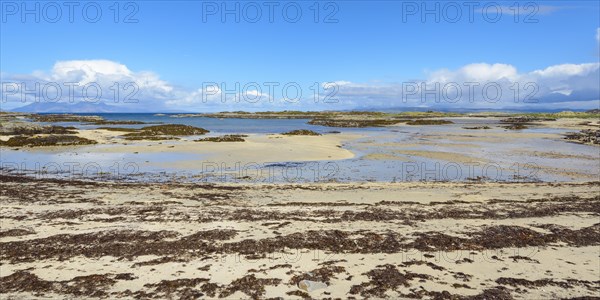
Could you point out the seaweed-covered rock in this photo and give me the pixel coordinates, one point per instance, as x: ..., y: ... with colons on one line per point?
x: 65, y: 118
x: 224, y: 138
x: 28, y: 129
x: 121, y: 129
x: 120, y: 122
x: 525, y: 119
x: 353, y: 122
x: 164, y: 132
x: 586, y: 136
x: 50, y: 140
x: 429, y: 122
x: 516, y: 126
x: 95, y: 120
x: 301, y: 132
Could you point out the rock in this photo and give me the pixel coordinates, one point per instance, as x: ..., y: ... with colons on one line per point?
x: 586, y: 136
x: 309, y: 285
x: 301, y: 132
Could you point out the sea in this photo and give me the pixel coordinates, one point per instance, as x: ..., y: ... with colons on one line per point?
x: 537, y: 154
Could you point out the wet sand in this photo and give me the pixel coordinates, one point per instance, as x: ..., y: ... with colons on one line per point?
x: 257, y: 148
x: 72, y: 239
x: 427, y: 239
x: 538, y: 153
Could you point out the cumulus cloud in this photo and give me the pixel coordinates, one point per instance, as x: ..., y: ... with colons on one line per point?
x: 113, y: 83
x: 478, y: 85
x: 92, y: 81
x: 482, y: 85
x: 476, y: 73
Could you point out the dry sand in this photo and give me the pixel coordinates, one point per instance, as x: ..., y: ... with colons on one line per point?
x: 258, y: 148
x: 71, y: 239
x: 80, y: 240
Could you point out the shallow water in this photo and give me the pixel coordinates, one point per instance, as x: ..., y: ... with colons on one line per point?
x: 496, y: 154
x: 214, y: 125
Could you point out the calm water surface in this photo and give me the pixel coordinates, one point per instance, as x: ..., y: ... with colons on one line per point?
x: 501, y: 159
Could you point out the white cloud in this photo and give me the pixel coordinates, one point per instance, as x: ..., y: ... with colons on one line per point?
x: 529, y: 9
x: 552, y: 86
x: 567, y: 70
x: 476, y: 86
x: 92, y: 81
x: 106, y: 71
x: 476, y: 73
x: 88, y: 70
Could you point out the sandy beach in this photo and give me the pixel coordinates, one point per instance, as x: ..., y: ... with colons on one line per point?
x: 370, y: 240
x: 333, y: 235
x: 279, y: 148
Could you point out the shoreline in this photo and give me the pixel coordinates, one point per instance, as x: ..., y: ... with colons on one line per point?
x: 526, y: 240
x: 468, y: 147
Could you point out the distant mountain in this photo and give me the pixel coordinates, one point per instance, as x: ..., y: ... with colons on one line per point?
x: 81, y: 107
x: 85, y: 107
x: 524, y: 109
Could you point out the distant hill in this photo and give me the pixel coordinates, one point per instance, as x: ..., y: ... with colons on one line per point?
x: 81, y: 107
x: 524, y: 109
x: 85, y: 107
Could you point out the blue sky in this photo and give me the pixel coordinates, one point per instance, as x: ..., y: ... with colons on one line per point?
x: 370, y: 45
